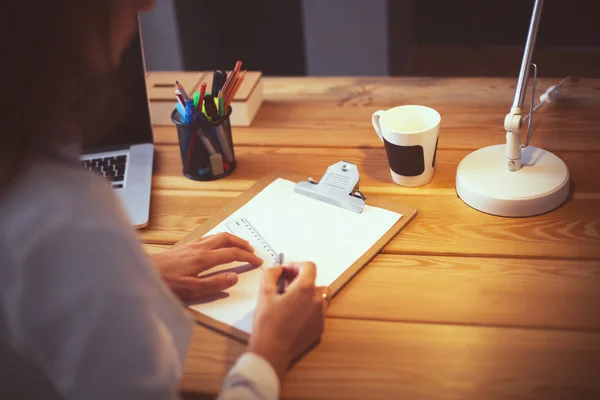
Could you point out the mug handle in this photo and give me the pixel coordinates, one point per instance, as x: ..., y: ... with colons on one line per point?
x: 375, y: 121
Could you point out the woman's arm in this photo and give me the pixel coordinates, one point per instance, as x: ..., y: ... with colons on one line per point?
x: 285, y: 326
x: 94, y: 314
x: 91, y: 311
x: 252, y: 377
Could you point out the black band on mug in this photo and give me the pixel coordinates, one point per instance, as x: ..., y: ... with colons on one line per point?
x: 435, y: 152
x: 405, y: 160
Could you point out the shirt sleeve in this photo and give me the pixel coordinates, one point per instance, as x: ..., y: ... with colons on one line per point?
x: 92, y: 312
x: 252, y: 377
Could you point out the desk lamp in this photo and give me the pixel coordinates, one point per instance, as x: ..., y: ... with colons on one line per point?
x: 514, y: 179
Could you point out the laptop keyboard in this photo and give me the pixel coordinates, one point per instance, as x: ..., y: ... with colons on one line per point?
x: 111, y: 168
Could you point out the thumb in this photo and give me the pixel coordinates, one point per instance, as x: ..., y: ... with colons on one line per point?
x: 270, y: 277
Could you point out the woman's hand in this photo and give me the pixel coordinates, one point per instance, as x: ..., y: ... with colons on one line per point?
x: 286, y: 325
x: 179, y: 267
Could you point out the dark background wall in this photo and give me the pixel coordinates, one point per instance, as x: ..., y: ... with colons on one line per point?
x: 563, y: 23
x: 265, y: 34
x: 468, y: 37
x: 418, y: 37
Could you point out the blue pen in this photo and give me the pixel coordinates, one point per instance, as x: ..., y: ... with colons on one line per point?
x: 188, y: 119
x: 189, y: 112
x: 180, y: 129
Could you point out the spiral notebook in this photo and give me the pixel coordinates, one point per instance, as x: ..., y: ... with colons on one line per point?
x: 276, y: 219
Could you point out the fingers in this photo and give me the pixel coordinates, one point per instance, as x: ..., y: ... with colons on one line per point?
x: 230, y: 254
x: 224, y: 239
x: 270, y: 278
x: 193, y: 288
x: 324, y: 296
x: 307, y: 274
x: 300, y: 279
x: 290, y: 273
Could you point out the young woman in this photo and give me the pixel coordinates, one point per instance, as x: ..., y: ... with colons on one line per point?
x: 84, y: 312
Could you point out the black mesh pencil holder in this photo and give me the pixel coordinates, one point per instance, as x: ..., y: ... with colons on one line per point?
x: 206, y: 147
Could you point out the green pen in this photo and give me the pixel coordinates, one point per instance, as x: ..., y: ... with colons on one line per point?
x: 220, y: 97
x: 196, y: 100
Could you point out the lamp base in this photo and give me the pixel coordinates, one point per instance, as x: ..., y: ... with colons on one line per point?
x: 484, y: 182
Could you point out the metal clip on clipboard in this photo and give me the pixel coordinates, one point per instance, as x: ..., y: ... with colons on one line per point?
x: 338, y: 186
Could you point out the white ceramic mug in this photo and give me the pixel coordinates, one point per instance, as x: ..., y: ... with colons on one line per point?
x: 410, y: 135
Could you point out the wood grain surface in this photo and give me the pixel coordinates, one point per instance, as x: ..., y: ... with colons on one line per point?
x: 502, y: 292
x: 444, y: 226
x: 255, y: 162
x: 359, y: 359
x: 336, y: 112
x: 460, y: 304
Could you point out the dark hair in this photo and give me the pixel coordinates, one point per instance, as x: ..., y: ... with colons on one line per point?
x: 51, y: 92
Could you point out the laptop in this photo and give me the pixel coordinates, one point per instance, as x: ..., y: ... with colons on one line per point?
x: 124, y: 154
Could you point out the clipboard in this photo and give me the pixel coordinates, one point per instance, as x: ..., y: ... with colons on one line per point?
x: 343, y: 193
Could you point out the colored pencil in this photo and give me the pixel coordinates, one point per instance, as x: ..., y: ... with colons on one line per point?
x: 233, y: 73
x: 231, y: 79
x: 202, y: 93
x: 235, y: 89
x: 183, y: 92
x: 180, y: 97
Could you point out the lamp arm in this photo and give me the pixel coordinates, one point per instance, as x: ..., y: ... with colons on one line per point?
x: 513, y: 120
x: 528, y: 54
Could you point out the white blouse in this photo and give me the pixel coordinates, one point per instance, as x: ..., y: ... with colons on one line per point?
x: 83, y: 312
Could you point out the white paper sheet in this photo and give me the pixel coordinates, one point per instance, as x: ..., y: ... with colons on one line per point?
x: 303, y: 229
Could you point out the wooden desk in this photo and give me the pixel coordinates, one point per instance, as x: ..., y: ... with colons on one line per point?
x: 460, y: 304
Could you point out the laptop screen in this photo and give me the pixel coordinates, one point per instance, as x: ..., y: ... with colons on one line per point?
x: 130, y: 114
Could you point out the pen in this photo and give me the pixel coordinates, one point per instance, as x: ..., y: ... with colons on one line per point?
x: 207, y: 144
x: 221, y: 109
x: 215, y: 159
x: 189, y: 111
x: 210, y: 107
x: 196, y: 100
x: 281, y: 280
x: 188, y: 119
x: 219, y: 78
x: 227, y: 153
x: 209, y: 131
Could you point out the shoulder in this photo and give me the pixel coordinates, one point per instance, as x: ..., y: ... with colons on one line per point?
x: 51, y: 195
x: 61, y: 228
x: 78, y: 284
x: 67, y: 242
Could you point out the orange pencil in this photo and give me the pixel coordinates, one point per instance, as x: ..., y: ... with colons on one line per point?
x: 232, y: 91
x: 228, y: 85
x: 235, y: 88
x: 233, y: 84
x: 238, y: 67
